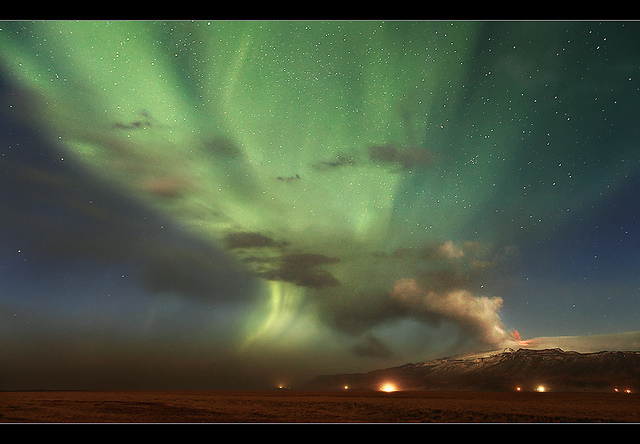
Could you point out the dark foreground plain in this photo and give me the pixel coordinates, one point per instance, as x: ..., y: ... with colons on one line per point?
x: 285, y: 406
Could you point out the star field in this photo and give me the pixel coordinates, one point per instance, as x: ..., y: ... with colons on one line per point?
x: 233, y: 204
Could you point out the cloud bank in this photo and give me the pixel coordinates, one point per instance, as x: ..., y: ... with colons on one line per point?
x: 589, y: 343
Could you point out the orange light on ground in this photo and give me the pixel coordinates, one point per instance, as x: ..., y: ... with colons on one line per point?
x: 388, y: 387
x: 518, y: 389
x: 541, y: 388
x: 625, y: 390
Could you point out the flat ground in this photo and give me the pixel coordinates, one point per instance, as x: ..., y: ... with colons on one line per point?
x: 315, y: 407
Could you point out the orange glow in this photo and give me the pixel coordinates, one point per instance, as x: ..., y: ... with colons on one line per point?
x: 517, y: 389
x: 521, y: 342
x: 541, y: 388
x: 388, y: 387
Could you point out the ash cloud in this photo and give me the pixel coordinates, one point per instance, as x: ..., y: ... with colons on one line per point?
x: 477, y: 316
x: 436, y: 283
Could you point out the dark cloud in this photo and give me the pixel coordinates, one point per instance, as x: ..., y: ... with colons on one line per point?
x: 307, y: 260
x: 372, y: 347
x: 339, y: 161
x: 143, y: 121
x: 303, y: 269
x: 221, y: 146
x: 269, y: 260
x: 384, y: 154
x: 405, y: 157
x: 289, y: 178
x: 416, y: 157
x: 356, y: 311
x: 246, y: 239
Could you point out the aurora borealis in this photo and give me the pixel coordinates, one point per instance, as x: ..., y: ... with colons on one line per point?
x: 244, y: 204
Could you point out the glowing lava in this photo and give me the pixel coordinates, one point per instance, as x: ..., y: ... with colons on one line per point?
x: 389, y: 387
x: 521, y: 342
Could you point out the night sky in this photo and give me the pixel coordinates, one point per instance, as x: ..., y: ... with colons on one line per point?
x: 230, y: 205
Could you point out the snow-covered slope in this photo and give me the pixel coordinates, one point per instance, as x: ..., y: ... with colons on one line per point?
x: 553, y: 369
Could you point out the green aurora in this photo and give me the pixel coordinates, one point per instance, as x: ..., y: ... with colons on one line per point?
x: 373, y: 178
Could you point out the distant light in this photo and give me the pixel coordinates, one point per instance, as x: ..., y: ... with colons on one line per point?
x: 346, y: 387
x: 625, y: 390
x: 518, y: 389
x: 388, y: 387
x: 541, y: 388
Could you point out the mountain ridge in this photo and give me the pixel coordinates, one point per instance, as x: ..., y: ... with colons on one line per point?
x: 504, y: 370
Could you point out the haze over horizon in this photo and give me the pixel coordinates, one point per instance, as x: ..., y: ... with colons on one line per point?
x: 250, y: 204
